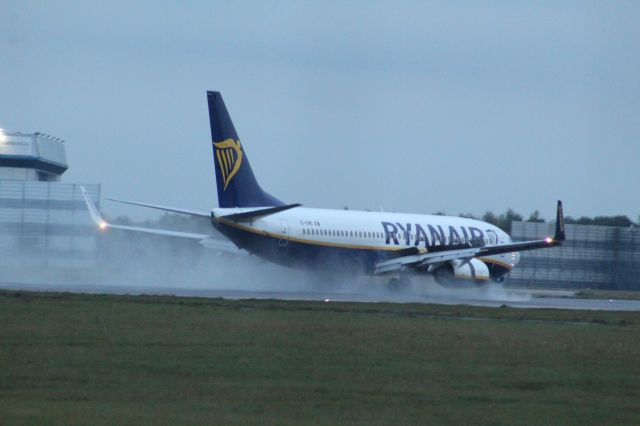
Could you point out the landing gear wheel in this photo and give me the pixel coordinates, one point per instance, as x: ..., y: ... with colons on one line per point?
x: 393, y: 284
x: 444, y: 276
x: 398, y: 283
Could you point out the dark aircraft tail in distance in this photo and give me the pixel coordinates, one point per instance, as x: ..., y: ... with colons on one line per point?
x: 559, y: 235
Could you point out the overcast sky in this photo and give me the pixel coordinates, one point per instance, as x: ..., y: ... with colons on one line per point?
x: 409, y: 106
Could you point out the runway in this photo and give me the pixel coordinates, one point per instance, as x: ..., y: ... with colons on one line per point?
x: 489, y: 297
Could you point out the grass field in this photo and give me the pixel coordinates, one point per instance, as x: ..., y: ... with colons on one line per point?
x: 165, y: 360
x: 609, y: 294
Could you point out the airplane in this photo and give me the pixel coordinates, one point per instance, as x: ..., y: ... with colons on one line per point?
x: 394, y: 245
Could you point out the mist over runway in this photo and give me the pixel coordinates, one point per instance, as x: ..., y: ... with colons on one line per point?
x: 492, y: 296
x: 154, y: 265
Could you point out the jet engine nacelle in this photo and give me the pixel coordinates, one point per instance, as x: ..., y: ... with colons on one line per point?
x: 473, y: 269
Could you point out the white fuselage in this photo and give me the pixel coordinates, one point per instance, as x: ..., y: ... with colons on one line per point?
x: 371, y: 235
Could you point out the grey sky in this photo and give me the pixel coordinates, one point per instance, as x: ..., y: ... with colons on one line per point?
x: 416, y: 107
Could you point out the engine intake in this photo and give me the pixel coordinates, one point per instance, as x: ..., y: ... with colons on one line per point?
x: 474, y: 270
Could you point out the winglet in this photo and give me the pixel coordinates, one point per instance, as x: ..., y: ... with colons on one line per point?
x: 559, y: 236
x: 93, y: 211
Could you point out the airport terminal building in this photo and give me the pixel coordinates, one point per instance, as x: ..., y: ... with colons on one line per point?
x: 43, y: 222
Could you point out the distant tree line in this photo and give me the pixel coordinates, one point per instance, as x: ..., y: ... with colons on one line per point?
x: 503, y: 221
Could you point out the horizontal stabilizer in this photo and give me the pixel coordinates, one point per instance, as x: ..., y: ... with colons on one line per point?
x: 257, y: 213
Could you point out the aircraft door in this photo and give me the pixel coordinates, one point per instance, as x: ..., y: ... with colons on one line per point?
x: 284, y: 233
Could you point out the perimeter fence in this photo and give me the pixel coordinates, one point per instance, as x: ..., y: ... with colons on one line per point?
x: 602, y: 257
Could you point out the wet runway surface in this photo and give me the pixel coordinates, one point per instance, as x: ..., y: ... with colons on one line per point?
x: 491, y: 297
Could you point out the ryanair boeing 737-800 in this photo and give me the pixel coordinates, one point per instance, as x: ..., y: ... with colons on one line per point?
x: 376, y: 243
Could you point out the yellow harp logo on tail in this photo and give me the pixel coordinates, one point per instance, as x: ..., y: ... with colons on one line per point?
x: 229, y: 155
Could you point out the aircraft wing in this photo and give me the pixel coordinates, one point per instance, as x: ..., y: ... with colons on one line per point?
x: 418, y: 259
x: 205, y: 239
x: 165, y: 208
x: 556, y: 240
x: 424, y: 260
x: 103, y: 224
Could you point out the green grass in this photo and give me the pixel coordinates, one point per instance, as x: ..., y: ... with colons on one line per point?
x: 608, y: 294
x: 165, y: 360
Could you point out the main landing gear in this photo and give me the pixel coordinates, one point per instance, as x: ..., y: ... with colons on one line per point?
x: 398, y: 283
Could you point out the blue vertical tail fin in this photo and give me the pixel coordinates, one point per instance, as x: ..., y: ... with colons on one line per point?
x: 237, y: 186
